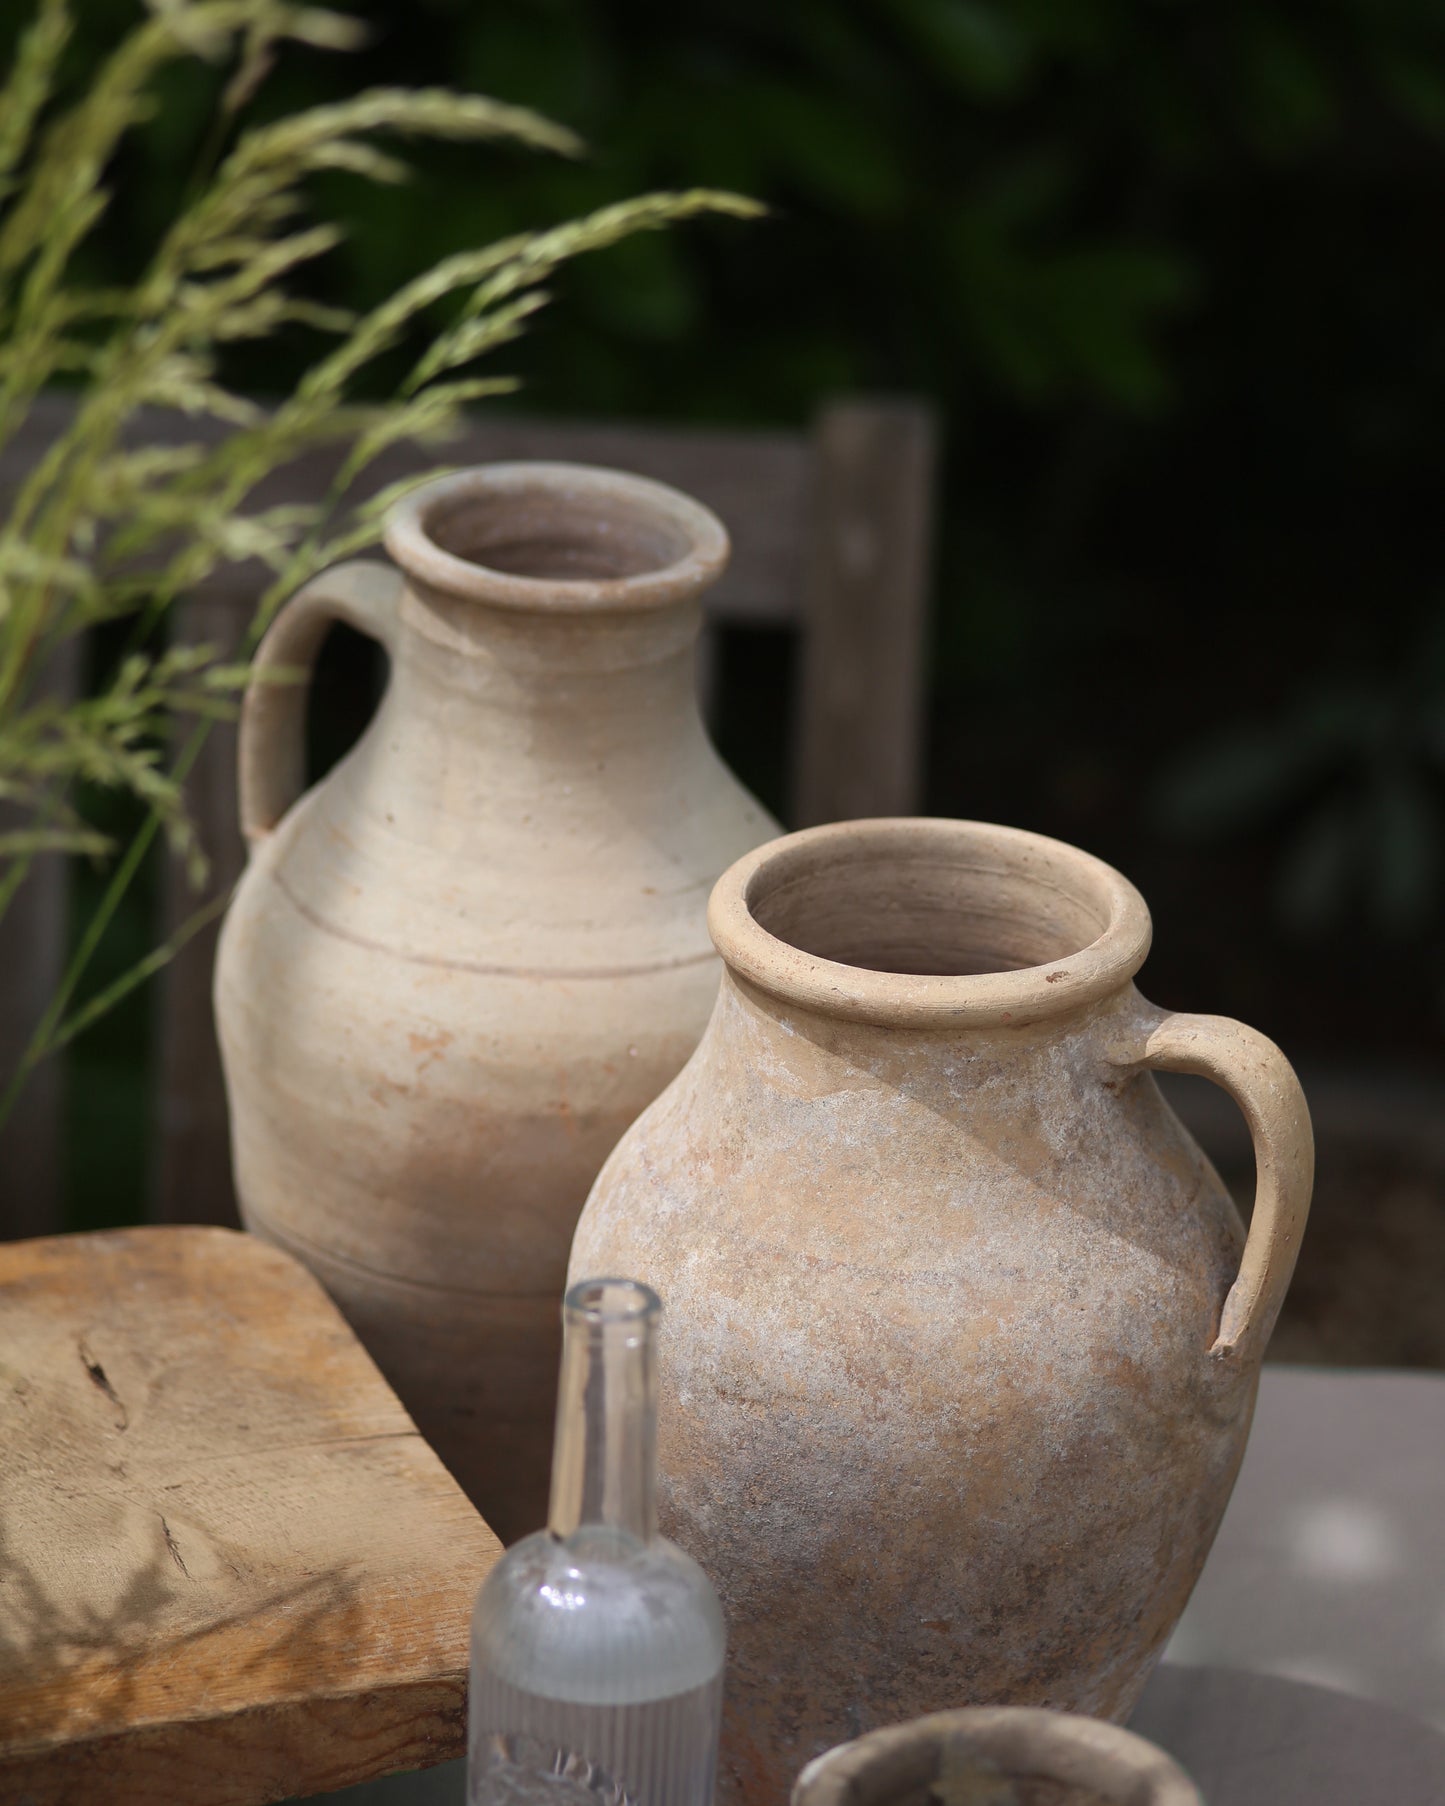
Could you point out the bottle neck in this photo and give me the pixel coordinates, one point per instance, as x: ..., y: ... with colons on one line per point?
x: 604, y: 1462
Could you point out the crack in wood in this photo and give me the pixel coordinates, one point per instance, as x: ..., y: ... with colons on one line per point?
x: 98, y: 1377
x: 174, y: 1547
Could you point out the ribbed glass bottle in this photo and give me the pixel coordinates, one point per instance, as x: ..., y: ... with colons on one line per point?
x: 597, y: 1645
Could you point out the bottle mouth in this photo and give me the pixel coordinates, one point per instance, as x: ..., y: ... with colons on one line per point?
x: 604, y: 1303
x: 565, y: 538
x: 922, y: 923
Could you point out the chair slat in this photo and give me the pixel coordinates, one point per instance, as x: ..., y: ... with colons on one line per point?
x: 858, y: 740
x: 192, y: 1175
x: 33, y: 935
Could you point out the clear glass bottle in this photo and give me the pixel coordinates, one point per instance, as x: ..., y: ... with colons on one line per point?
x: 597, y: 1645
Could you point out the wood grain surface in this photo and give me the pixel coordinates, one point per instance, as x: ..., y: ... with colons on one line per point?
x: 858, y: 735
x: 231, y: 1571
x: 33, y: 952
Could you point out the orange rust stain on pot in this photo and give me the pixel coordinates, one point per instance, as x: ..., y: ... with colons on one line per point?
x: 429, y: 1048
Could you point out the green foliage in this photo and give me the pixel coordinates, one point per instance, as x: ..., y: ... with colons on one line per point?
x: 113, y: 524
x: 1007, y: 195
x: 1169, y: 270
x: 1354, y: 770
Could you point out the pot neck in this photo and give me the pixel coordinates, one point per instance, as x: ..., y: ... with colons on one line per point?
x: 916, y: 1057
x: 553, y: 592
x: 536, y: 646
x: 574, y: 686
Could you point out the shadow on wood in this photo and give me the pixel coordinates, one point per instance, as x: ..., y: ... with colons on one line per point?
x: 232, y: 1571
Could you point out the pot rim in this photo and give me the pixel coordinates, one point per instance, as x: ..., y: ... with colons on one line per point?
x: 1012, y: 998
x: 1024, y: 1741
x: 702, y: 559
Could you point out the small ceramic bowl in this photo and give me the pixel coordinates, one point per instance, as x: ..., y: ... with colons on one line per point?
x: 997, y: 1756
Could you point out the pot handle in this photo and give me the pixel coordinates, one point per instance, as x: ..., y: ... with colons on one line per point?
x: 1262, y: 1082
x: 363, y: 593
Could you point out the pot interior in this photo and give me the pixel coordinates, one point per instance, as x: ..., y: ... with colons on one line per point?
x: 950, y: 900
x: 553, y: 532
x: 983, y: 1784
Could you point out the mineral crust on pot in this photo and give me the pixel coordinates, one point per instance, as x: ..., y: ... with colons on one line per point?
x: 965, y: 1332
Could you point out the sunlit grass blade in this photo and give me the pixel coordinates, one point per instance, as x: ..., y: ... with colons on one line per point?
x: 150, y: 487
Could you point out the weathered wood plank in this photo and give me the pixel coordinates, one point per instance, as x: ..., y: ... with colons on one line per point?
x: 32, y: 957
x: 858, y: 735
x: 192, y: 1180
x: 33, y: 936
x: 232, y: 1570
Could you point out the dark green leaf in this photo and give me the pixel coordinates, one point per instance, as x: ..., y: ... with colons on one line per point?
x: 1235, y: 781
x: 977, y: 45
x: 1406, y: 846
x: 1322, y: 867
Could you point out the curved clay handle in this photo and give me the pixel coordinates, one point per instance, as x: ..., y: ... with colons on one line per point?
x: 272, y: 754
x: 1262, y: 1082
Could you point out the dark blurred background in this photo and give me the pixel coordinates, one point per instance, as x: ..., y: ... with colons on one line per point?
x: 1172, y: 274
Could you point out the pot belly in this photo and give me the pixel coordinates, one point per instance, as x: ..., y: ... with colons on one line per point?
x: 940, y: 1435
x: 423, y: 1138
x: 895, y: 1536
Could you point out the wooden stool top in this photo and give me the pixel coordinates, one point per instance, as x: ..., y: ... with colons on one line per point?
x: 230, y: 1569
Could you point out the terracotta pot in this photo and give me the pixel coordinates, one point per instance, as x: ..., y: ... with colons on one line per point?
x: 997, y: 1756
x: 963, y: 1331
x: 457, y: 969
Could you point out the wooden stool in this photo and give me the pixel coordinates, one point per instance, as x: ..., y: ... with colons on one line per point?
x: 231, y: 1571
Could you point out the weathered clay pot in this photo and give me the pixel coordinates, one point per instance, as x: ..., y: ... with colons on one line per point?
x: 963, y: 1347
x: 997, y: 1756
x: 458, y: 968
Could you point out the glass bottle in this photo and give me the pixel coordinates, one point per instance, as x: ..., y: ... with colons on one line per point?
x: 597, y: 1645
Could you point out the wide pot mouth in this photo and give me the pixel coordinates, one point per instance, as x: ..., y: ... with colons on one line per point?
x: 1015, y: 1755
x: 912, y: 922
x: 566, y: 538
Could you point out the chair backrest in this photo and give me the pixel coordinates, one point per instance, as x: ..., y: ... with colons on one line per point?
x: 832, y: 537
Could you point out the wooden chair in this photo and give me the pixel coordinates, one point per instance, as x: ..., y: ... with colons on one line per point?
x: 832, y: 535
x: 231, y: 1571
